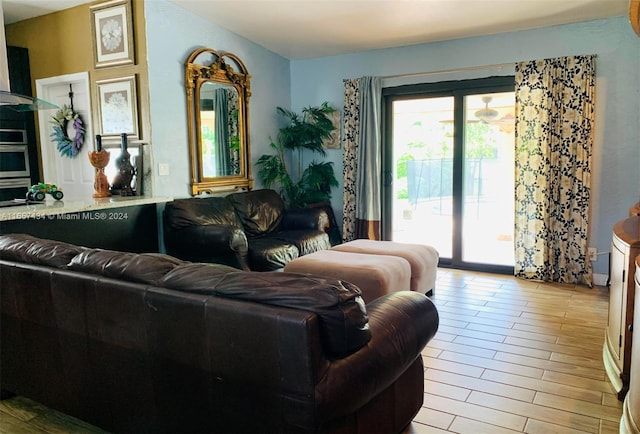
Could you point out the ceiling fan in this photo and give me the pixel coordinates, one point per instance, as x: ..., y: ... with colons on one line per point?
x: 490, y: 116
x: 486, y: 114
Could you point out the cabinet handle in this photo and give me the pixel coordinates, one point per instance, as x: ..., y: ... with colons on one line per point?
x: 630, y: 328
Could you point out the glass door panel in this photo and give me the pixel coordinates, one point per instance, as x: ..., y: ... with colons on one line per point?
x: 488, y: 179
x: 423, y: 172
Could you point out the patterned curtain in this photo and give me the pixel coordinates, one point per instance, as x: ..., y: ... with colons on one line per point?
x: 362, y: 156
x: 233, y: 124
x: 554, y: 137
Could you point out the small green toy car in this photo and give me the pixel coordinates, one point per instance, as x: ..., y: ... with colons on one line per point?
x: 37, y: 191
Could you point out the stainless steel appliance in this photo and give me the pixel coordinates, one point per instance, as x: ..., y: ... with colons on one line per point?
x: 15, y: 173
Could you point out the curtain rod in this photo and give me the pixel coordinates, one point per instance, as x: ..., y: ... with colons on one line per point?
x: 449, y: 71
x: 470, y: 68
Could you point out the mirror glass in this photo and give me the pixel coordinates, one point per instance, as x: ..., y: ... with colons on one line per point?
x: 217, y: 85
x: 219, y: 130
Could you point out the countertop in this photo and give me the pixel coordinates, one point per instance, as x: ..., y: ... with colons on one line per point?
x: 96, y: 207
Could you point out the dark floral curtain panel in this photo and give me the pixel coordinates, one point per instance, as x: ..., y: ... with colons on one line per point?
x: 362, y: 158
x: 554, y: 138
x: 234, y: 134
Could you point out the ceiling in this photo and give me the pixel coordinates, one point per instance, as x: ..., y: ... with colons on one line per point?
x: 300, y: 29
x: 18, y: 10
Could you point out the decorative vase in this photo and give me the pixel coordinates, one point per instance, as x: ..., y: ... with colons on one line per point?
x: 99, y: 160
x: 125, y: 171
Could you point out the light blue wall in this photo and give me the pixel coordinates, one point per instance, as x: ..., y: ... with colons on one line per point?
x: 172, y: 34
x: 616, y: 153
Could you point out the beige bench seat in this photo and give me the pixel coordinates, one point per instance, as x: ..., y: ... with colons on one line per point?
x: 422, y: 258
x: 375, y: 275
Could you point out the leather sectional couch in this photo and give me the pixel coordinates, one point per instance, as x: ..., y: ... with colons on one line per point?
x: 250, y: 230
x: 150, y: 343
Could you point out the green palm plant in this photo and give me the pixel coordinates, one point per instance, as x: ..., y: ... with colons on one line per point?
x: 303, y: 131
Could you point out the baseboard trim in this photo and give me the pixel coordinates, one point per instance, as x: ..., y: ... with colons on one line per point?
x: 600, y: 279
x: 610, y: 366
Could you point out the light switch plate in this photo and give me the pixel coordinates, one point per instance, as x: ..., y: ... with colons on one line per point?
x: 163, y: 169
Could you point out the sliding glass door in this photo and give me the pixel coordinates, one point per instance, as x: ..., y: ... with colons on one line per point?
x: 422, y: 176
x: 449, y: 166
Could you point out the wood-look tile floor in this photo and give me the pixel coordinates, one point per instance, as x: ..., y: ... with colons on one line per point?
x: 509, y: 356
x: 516, y: 356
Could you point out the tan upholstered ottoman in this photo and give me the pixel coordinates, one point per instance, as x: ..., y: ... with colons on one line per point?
x: 423, y: 259
x: 375, y: 275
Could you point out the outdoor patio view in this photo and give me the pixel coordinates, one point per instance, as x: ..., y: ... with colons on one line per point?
x: 423, y: 156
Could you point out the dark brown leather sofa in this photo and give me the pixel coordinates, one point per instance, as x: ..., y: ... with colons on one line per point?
x: 249, y: 230
x: 149, y: 343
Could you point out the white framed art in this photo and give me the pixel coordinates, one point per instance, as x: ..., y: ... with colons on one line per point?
x: 117, y: 107
x: 112, y: 27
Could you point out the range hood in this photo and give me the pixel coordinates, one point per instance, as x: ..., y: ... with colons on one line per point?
x: 14, y: 101
x: 23, y: 103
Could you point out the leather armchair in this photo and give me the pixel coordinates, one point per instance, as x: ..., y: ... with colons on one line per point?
x: 247, y: 230
x: 205, y: 230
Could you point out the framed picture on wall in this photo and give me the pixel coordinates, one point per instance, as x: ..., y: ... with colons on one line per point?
x: 333, y: 142
x: 117, y: 107
x: 112, y: 29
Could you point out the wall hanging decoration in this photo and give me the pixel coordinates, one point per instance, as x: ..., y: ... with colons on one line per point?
x: 66, y: 146
x: 333, y: 141
x: 112, y: 33
x: 117, y: 107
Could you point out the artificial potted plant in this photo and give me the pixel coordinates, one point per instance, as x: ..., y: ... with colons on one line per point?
x: 307, y: 130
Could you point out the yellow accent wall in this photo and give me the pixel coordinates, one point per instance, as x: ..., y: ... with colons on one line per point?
x: 60, y: 43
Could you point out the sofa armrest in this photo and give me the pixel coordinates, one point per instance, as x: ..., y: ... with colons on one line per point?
x: 305, y: 218
x: 209, y: 243
x: 401, y: 325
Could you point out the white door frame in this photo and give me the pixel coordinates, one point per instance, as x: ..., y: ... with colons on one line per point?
x: 47, y: 153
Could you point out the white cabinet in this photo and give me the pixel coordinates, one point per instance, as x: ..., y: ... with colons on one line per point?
x: 630, y: 421
x: 625, y: 247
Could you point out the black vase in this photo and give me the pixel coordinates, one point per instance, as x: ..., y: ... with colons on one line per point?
x: 98, y: 143
x: 125, y: 171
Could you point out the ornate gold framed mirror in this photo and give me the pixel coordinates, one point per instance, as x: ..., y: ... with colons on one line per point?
x: 634, y: 15
x: 218, y: 91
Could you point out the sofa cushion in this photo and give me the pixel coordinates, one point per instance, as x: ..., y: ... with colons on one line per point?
x: 191, y: 274
x: 306, y: 241
x: 344, y: 324
x: 31, y: 250
x: 260, y: 211
x: 215, y: 210
x: 269, y: 253
x: 134, y: 267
